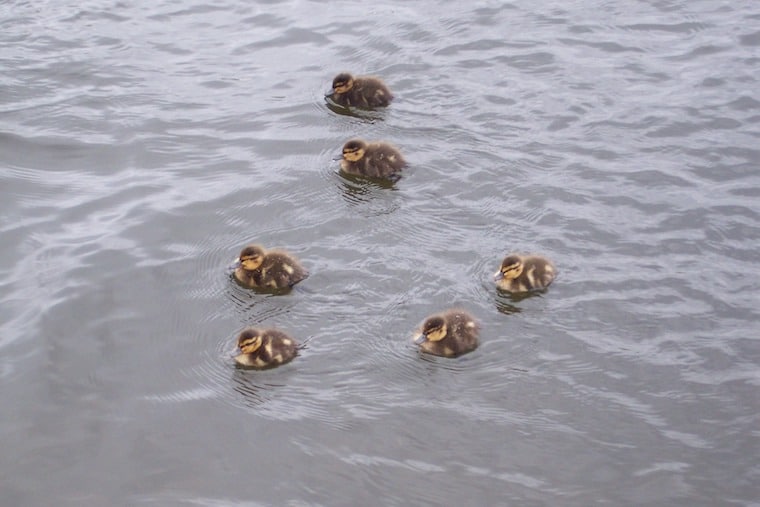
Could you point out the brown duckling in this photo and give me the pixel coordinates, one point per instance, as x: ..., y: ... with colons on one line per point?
x: 524, y: 273
x: 450, y: 334
x: 268, y: 269
x: 264, y: 348
x: 375, y: 160
x: 360, y: 91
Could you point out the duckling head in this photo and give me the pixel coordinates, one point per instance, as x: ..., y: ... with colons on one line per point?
x: 343, y: 82
x: 251, y: 257
x: 433, y: 329
x: 249, y: 341
x: 354, y: 150
x: 511, y: 268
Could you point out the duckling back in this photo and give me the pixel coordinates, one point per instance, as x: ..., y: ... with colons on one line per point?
x: 273, y: 269
x: 380, y: 160
x: 461, y: 335
x: 277, y: 348
x: 537, y: 274
x: 280, y: 270
x: 364, y: 92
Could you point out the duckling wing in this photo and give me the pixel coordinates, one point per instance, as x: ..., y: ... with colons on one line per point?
x: 540, y: 272
x: 387, y: 161
x: 285, y: 271
x: 381, y: 98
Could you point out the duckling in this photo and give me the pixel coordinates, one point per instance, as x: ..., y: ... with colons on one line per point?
x: 264, y: 348
x: 375, y: 160
x: 450, y: 334
x: 524, y: 273
x: 360, y: 91
x: 272, y: 269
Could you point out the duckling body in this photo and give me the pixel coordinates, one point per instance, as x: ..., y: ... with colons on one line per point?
x: 525, y: 273
x: 374, y: 160
x: 449, y: 334
x: 360, y: 91
x: 268, y: 269
x: 264, y: 348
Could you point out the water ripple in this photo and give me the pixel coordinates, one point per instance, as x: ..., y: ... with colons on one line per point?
x: 142, y: 146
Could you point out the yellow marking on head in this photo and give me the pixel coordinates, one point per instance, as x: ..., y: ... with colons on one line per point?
x: 344, y: 86
x: 251, y: 263
x: 437, y: 334
x: 354, y: 155
x: 250, y: 345
x: 513, y: 271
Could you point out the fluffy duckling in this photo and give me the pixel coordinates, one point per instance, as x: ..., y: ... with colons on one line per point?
x: 450, y: 334
x: 360, y: 91
x: 264, y: 348
x: 257, y: 268
x: 524, y: 273
x: 375, y: 160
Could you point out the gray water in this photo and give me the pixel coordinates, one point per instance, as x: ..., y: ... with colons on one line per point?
x: 141, y: 146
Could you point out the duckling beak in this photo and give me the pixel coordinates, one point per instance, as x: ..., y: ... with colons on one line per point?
x: 235, y: 352
x: 420, y: 339
x: 498, y: 276
x: 234, y: 264
x: 337, y: 157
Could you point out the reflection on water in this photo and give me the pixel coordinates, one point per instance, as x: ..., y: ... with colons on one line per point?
x: 370, y: 116
x: 251, y: 389
x: 140, y: 147
x: 370, y: 197
x: 361, y: 190
x: 507, y: 304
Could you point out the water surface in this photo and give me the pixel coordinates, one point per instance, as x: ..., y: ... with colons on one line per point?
x: 141, y: 146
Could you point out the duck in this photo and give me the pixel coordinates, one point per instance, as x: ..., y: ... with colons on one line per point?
x: 375, y: 160
x: 257, y: 268
x: 524, y: 273
x: 365, y: 92
x: 262, y: 349
x: 450, y: 334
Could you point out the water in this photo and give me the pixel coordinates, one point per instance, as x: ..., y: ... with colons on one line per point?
x: 142, y: 146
